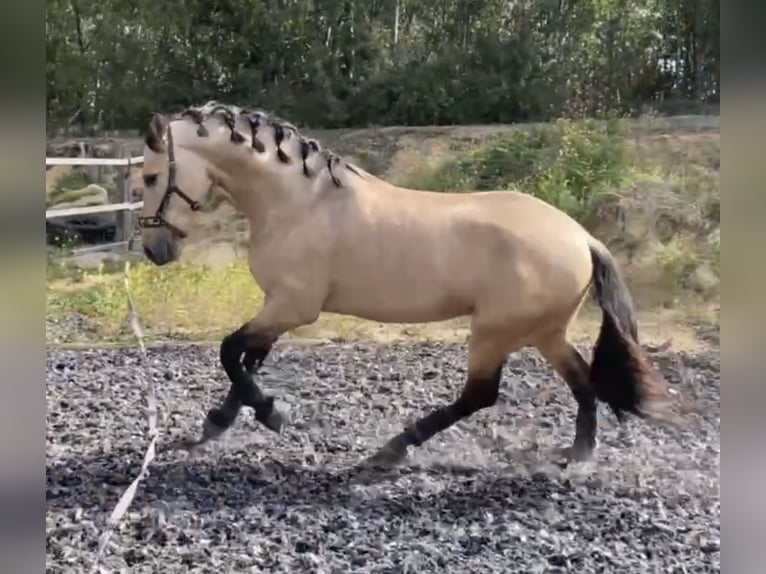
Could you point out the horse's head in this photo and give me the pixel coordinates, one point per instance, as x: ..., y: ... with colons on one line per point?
x: 176, y: 181
x: 264, y: 164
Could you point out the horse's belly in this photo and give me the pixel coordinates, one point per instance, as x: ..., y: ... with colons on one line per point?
x: 395, y: 300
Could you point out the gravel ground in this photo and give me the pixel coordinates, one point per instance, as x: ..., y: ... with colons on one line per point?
x: 481, y: 497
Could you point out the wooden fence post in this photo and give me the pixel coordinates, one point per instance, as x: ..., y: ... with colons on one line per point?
x: 123, y: 230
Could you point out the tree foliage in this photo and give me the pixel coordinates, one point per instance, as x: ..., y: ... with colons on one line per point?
x: 337, y: 63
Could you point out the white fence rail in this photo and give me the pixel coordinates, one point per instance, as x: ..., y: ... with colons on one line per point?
x: 103, y: 161
x: 69, y: 211
x: 124, y: 207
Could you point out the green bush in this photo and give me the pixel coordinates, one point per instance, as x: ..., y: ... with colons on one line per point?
x: 178, y: 298
x: 73, y: 180
x: 572, y: 164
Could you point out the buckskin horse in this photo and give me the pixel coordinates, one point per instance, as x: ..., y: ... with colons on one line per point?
x: 325, y: 235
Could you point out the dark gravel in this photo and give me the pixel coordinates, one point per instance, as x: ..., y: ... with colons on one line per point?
x: 482, y: 497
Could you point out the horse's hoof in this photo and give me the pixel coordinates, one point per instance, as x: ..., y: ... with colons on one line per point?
x: 387, y: 457
x: 275, y: 421
x: 573, y: 454
x: 215, y: 425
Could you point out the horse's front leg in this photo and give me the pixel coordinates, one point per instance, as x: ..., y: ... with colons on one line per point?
x: 243, y: 390
x: 242, y: 353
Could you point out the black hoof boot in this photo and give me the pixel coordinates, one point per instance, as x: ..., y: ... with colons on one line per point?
x: 392, y: 454
x: 216, y: 423
x: 269, y: 416
x: 575, y: 453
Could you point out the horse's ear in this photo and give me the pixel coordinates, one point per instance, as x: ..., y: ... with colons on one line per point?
x: 153, y: 137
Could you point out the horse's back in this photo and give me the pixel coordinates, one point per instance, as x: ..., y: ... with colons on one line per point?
x: 511, y: 208
x: 477, y: 234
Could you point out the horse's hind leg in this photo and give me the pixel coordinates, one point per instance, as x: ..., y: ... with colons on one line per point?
x: 570, y: 365
x: 486, y: 357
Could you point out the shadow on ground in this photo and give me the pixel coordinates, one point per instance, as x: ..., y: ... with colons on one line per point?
x: 206, y: 486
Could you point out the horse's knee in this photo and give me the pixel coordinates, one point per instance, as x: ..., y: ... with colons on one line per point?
x: 255, y: 346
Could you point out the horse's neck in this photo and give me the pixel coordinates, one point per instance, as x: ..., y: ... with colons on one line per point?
x: 256, y: 200
x: 271, y: 217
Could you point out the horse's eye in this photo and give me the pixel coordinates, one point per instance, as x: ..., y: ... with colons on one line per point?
x: 150, y: 180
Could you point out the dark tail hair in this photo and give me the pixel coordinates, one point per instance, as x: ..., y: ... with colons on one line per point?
x: 620, y: 371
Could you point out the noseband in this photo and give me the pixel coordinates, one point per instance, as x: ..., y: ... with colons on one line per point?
x: 158, y: 219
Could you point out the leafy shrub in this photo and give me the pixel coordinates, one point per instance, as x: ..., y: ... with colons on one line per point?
x: 75, y: 179
x: 571, y: 164
x: 677, y: 260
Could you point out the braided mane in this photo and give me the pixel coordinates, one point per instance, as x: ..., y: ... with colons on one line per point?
x: 281, y: 131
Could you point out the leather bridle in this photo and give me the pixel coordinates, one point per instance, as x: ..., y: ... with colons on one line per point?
x: 158, y: 219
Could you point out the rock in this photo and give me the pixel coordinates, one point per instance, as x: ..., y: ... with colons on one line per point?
x: 702, y: 279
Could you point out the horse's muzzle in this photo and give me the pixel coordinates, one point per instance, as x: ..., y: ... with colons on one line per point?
x: 161, y: 252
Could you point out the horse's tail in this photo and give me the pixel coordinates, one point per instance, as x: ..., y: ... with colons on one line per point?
x: 620, y: 371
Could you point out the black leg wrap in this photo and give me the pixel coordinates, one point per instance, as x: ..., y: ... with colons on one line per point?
x: 264, y: 408
x: 429, y: 425
x: 253, y: 359
x: 586, y: 424
x: 481, y: 394
x: 269, y: 416
x: 251, y: 394
x: 221, y: 418
x: 587, y: 413
x: 238, y: 371
x: 585, y: 397
x: 231, y: 350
